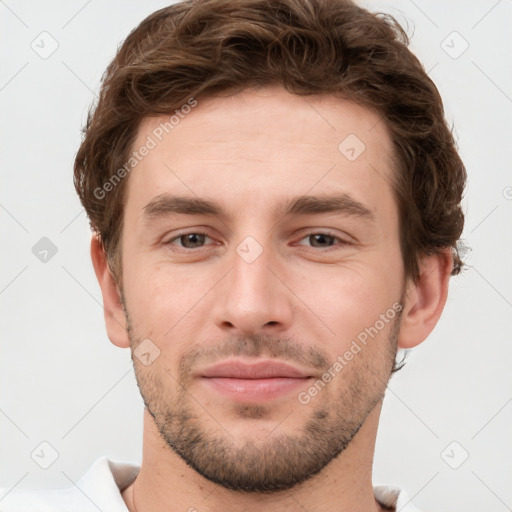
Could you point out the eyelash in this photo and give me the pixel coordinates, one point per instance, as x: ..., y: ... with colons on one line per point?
x: 340, y: 243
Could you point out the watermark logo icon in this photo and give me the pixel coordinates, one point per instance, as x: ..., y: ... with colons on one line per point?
x: 44, y: 455
x: 147, y: 352
x: 351, y: 147
x: 454, y: 45
x: 45, y: 45
x: 249, y: 249
x: 455, y: 455
x: 44, y: 250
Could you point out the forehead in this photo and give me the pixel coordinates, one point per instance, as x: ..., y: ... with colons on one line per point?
x: 263, y: 143
x: 276, y: 118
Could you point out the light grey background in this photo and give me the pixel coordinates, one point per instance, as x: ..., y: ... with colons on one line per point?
x: 63, y: 382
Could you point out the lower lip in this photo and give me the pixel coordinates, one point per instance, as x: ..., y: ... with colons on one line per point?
x: 256, y: 390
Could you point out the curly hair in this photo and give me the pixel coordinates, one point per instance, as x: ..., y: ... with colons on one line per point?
x: 207, y: 47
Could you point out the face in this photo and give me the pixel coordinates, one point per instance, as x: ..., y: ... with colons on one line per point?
x: 262, y: 282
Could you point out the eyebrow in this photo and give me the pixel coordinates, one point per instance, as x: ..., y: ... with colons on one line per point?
x: 344, y: 204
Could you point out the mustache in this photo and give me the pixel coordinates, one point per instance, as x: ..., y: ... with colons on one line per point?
x: 254, y: 346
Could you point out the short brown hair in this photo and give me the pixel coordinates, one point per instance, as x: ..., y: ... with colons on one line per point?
x: 206, y: 47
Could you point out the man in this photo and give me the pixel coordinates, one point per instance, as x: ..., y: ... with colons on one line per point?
x: 275, y: 199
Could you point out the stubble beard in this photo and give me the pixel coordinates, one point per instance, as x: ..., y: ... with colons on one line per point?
x: 280, y: 460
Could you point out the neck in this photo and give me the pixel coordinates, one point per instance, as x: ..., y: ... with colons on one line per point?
x: 343, y: 485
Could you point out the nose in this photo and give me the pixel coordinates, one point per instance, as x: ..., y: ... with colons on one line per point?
x: 253, y: 297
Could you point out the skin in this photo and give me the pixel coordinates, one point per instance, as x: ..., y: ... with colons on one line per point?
x: 296, y: 300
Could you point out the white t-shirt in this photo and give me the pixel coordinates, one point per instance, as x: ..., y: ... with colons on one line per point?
x: 100, y: 489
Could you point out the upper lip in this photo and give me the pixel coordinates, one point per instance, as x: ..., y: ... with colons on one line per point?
x: 265, y: 369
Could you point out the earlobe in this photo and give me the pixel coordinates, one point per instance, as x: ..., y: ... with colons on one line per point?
x: 115, y: 319
x: 425, y: 299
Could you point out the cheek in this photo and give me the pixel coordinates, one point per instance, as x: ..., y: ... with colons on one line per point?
x: 147, y: 294
x: 352, y: 299
x: 164, y: 300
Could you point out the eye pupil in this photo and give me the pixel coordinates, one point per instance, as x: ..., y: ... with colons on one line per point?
x: 322, y: 239
x: 193, y: 238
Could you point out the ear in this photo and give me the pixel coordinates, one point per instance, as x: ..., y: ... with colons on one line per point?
x: 425, y: 299
x: 113, y: 310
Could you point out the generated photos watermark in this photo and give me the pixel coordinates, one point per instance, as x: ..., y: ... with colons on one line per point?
x: 356, y: 346
x: 152, y: 141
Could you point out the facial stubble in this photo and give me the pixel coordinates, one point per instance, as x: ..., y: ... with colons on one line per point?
x: 280, y: 460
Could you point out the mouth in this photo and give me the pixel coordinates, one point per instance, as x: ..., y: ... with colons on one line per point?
x: 259, y: 381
